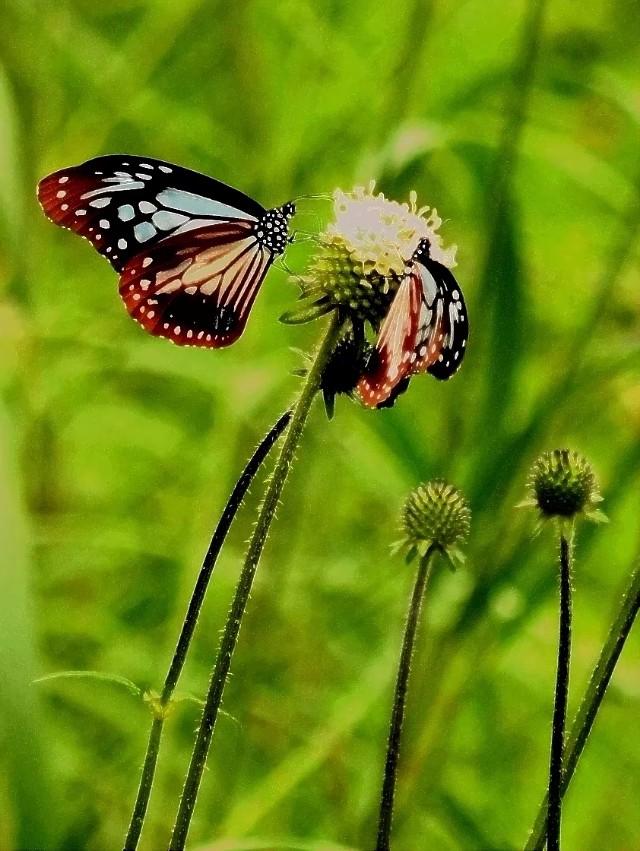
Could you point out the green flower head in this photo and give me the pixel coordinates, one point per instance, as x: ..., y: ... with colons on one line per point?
x: 562, y: 485
x: 435, y: 514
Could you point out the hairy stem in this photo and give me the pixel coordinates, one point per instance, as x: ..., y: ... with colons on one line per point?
x: 189, y: 624
x: 243, y: 589
x: 399, y: 702
x: 562, y: 691
x: 598, y: 683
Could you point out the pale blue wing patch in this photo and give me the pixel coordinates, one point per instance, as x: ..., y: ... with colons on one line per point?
x: 198, y: 205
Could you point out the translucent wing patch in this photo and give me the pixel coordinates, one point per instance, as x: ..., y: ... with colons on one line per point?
x: 125, y: 204
x: 197, y: 288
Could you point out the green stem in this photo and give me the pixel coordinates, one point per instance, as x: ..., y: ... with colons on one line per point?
x: 243, y: 589
x: 399, y: 702
x: 562, y: 692
x: 189, y: 624
x: 598, y: 683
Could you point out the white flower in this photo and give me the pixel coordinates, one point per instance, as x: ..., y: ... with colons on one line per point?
x: 377, y: 230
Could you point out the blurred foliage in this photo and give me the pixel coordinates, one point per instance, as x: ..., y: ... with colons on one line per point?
x: 520, y: 122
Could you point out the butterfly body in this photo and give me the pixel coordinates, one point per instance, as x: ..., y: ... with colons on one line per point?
x: 191, y: 251
x: 425, y: 330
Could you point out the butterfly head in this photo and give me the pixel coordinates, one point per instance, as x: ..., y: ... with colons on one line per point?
x: 272, y: 230
x: 422, y: 252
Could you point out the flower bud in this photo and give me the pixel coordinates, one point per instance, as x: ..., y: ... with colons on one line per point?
x: 436, y: 514
x: 562, y: 484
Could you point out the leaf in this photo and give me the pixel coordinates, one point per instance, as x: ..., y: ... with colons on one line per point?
x: 114, y: 679
x: 307, y: 313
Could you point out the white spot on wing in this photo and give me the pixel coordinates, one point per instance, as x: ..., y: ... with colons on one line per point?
x: 124, y: 186
x: 144, y: 231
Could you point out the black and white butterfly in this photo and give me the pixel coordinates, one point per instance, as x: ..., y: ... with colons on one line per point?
x: 191, y: 251
x: 425, y: 330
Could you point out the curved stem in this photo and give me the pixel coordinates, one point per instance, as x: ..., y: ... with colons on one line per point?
x: 562, y: 691
x: 586, y: 715
x: 243, y: 589
x: 189, y: 624
x: 399, y: 701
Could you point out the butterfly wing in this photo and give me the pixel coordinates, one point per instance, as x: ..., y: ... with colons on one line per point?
x: 197, y: 288
x: 426, y: 329
x: 444, y: 325
x: 126, y: 204
x: 395, y: 346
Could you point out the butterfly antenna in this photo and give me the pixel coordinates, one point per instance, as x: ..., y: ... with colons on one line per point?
x: 323, y: 196
x: 307, y: 236
x: 285, y: 268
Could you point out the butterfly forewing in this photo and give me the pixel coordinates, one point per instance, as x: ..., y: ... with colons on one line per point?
x: 125, y: 204
x: 197, y: 288
x: 442, y: 345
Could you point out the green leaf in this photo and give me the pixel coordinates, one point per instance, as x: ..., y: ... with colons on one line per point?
x: 114, y: 679
x: 307, y: 313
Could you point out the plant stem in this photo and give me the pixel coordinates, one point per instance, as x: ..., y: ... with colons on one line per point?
x: 562, y: 691
x: 598, y: 683
x: 189, y: 624
x: 243, y: 588
x: 399, y: 701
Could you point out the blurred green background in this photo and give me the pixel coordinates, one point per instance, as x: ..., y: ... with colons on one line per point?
x: 520, y: 122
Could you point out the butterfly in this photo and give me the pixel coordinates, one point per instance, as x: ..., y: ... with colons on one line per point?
x: 191, y: 251
x: 425, y: 330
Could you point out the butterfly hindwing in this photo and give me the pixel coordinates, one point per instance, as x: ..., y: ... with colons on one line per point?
x: 197, y: 288
x: 395, y: 346
x: 125, y: 204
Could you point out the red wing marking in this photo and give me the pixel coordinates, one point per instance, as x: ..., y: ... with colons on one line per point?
x: 60, y: 195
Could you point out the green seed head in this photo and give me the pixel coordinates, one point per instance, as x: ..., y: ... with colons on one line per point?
x: 562, y: 484
x: 436, y: 514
